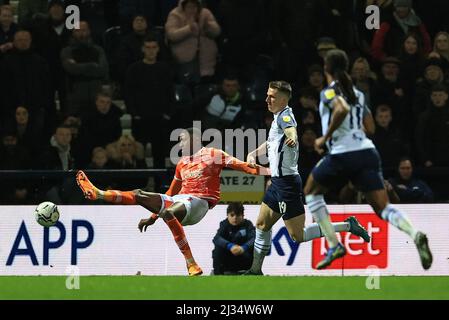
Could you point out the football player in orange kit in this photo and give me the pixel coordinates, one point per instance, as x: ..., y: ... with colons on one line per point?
x: 194, y: 190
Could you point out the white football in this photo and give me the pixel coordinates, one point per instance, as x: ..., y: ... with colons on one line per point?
x: 47, y: 214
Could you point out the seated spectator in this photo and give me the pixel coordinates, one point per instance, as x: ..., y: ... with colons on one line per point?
x: 79, y: 146
x: 234, y: 242
x: 323, y: 45
x: 100, y: 161
x: 14, y: 157
x: 441, y: 49
x: 388, y: 139
x: 316, y: 79
x: 27, y: 136
x: 191, y: 30
x: 57, y: 155
x: 7, y: 29
x: 126, y: 153
x: 408, y: 188
x: 433, y: 75
x: 309, y: 157
x: 432, y: 134
x: 412, y: 62
x: 103, y: 125
x: 225, y: 109
x: 24, y: 76
x: 307, y: 110
x: 364, y: 79
x: 87, y: 69
x: 389, y: 39
x: 390, y: 90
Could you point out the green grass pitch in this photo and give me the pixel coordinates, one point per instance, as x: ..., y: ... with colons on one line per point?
x: 222, y: 288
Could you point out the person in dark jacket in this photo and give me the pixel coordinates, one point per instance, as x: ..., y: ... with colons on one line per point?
x: 408, y: 188
x: 103, y: 124
x: 432, y: 134
x: 389, y: 39
x: 149, y: 94
x: 234, y: 242
x: 24, y: 77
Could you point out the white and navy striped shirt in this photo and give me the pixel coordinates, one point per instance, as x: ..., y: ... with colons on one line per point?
x: 350, y: 135
x: 283, y: 159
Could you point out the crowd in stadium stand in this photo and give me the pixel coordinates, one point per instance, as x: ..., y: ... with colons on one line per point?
x: 65, y: 94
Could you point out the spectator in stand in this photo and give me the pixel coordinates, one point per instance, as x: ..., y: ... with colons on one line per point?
x: 316, y: 79
x: 391, y: 90
x: 7, y: 29
x: 127, y: 157
x: 441, y: 49
x: 24, y: 76
x: 234, y: 242
x: 79, y: 145
x: 432, y: 134
x: 129, y: 9
x: 87, y: 69
x: 408, y: 188
x: 191, y: 31
x: 57, y: 155
x: 309, y: 157
x: 389, y: 39
x: 28, y: 9
x: 412, y: 62
x: 132, y: 43
x: 14, y: 157
x: 387, y: 138
x: 149, y: 95
x: 103, y: 124
x: 100, y: 160
x: 324, y: 45
x: 433, y: 75
x: 307, y: 110
x: 364, y: 79
x: 27, y: 136
x: 50, y: 37
x: 225, y: 109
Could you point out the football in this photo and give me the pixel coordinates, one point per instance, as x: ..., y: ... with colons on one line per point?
x: 47, y: 214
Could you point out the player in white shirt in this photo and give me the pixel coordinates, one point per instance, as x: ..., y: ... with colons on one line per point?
x: 284, y: 196
x: 351, y: 156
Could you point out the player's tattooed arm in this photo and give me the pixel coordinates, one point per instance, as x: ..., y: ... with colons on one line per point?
x: 292, y: 137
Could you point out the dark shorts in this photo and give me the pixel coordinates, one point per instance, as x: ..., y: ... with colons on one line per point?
x: 363, y: 168
x: 284, y: 196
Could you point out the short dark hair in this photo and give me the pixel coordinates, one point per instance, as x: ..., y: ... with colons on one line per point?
x: 282, y: 86
x: 405, y: 158
x: 103, y: 93
x: 439, y: 88
x: 236, y: 207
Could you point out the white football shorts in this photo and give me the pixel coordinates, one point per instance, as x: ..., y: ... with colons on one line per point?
x: 196, y: 208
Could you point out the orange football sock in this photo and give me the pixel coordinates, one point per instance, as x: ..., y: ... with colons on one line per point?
x: 180, y: 238
x: 118, y: 197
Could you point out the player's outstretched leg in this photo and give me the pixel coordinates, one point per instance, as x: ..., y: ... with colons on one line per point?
x: 379, y: 201
x: 93, y: 193
x: 317, y: 207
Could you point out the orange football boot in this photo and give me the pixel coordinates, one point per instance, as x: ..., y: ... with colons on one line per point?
x: 194, y: 270
x: 89, y: 190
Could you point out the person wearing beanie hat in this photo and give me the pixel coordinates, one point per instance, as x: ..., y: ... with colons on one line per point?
x: 389, y: 39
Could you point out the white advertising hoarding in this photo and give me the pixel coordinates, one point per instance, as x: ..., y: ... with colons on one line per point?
x: 104, y: 240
